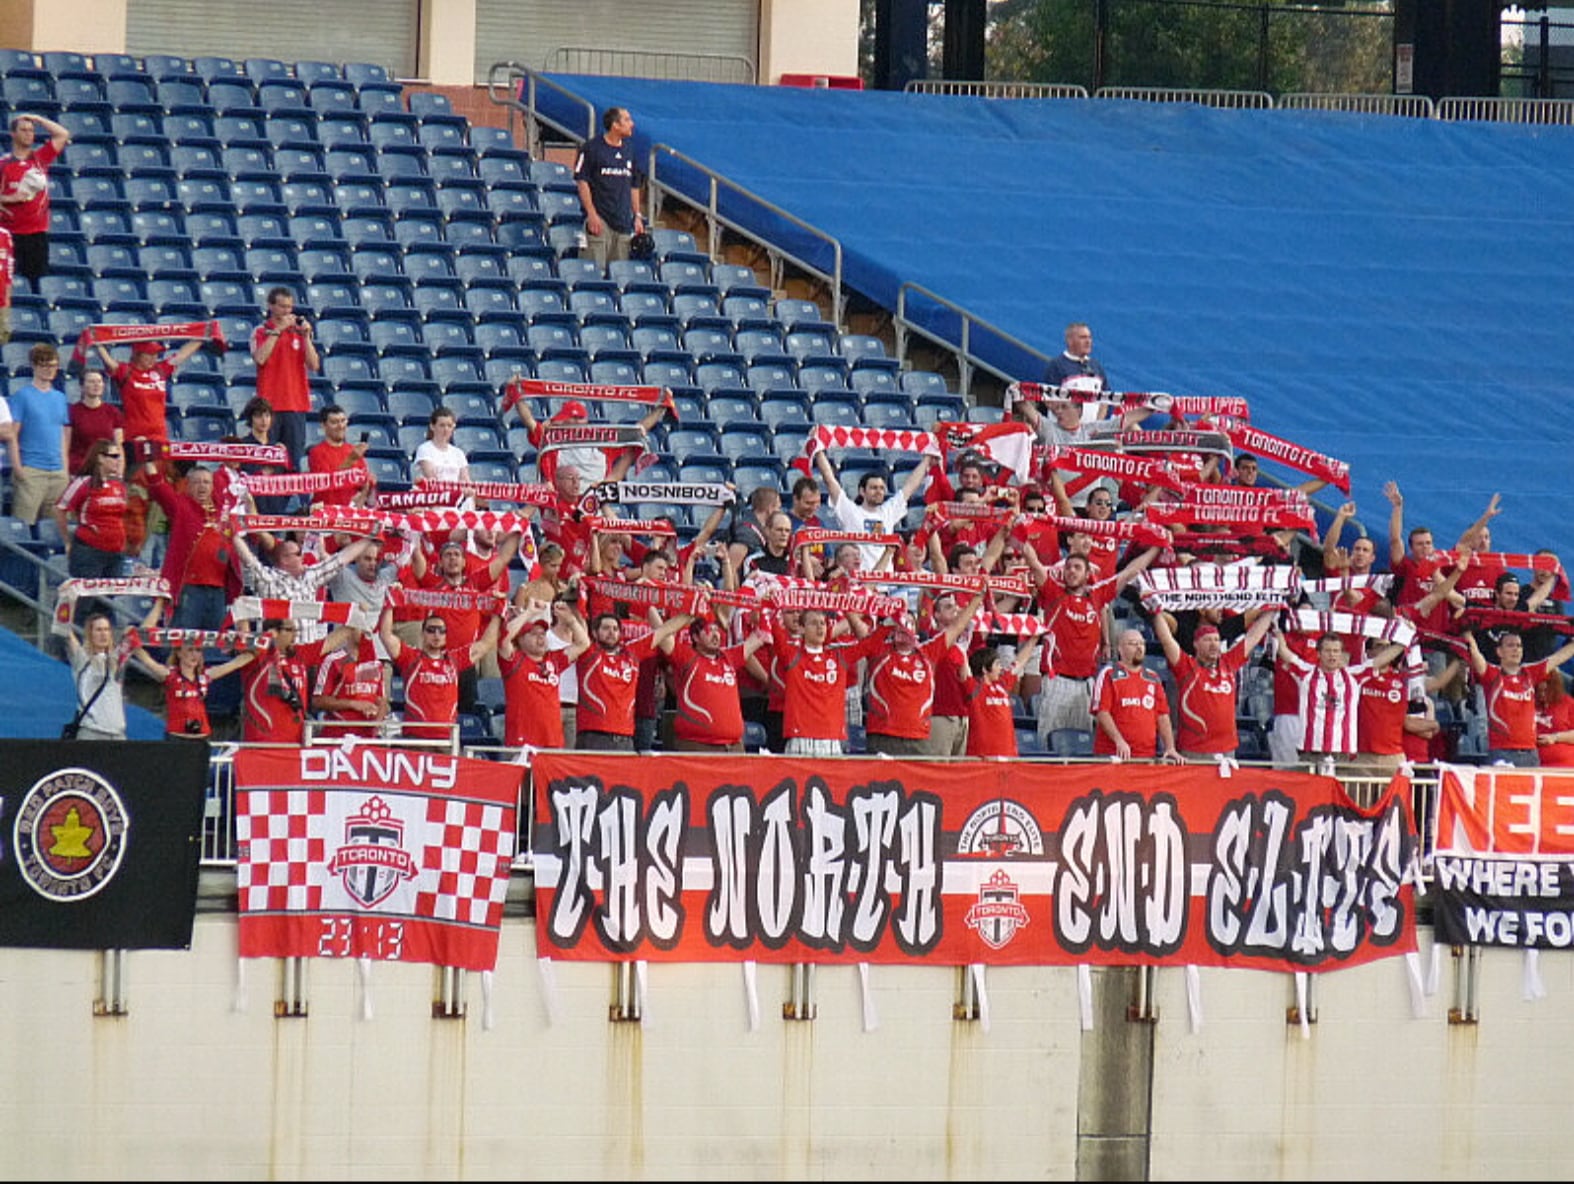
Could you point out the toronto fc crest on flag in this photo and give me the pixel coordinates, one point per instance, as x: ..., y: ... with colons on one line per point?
x: 373, y: 853
x: 373, y: 860
x: 999, y: 912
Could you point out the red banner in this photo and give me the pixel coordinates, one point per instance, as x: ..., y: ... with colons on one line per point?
x: 779, y: 859
x: 373, y: 852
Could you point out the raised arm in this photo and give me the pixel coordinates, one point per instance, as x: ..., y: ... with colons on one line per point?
x: 487, y: 642
x: 1396, y: 522
x: 1472, y: 531
x: 1166, y: 636
x: 833, y: 487
x: 385, y: 630
x: 954, y: 631
x: 915, y: 479
x: 1335, y: 557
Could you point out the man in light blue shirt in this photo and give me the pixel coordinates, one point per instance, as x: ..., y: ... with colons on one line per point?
x: 43, y: 438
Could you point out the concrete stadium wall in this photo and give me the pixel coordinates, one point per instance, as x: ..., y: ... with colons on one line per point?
x: 188, y: 1086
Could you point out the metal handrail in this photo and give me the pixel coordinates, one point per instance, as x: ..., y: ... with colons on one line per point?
x: 647, y: 63
x: 1415, y: 106
x: 1539, y: 111
x: 514, y: 72
x: 996, y: 90
x: 1243, y: 100
x: 967, y: 360
x: 714, y: 219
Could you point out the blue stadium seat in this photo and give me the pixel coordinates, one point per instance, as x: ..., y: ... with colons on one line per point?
x: 503, y: 170
x: 889, y: 411
x: 380, y: 98
x: 785, y: 407
x: 331, y: 96
x: 922, y: 382
x: 836, y: 410
x: 179, y: 94
x: 156, y: 65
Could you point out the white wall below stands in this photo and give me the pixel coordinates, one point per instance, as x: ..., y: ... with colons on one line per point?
x: 187, y: 1087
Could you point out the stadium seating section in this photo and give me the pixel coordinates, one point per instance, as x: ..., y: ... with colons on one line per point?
x: 436, y: 258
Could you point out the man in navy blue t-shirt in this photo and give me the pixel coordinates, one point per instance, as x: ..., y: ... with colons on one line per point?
x: 608, y: 177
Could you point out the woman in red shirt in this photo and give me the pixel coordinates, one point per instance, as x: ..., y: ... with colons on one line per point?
x: 97, y: 500
x: 991, y: 723
x: 186, y: 683
x: 1554, y: 721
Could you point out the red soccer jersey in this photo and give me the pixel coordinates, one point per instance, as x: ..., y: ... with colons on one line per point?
x: 531, y: 713
x: 1075, y: 628
x: 282, y: 379
x: 323, y: 457
x: 706, y: 690
x: 1135, y: 699
x: 951, y: 674
x: 185, y: 703
x: 100, y: 511
x: 1381, y: 717
x: 357, y: 677
x: 1286, y: 691
x: 1208, y: 701
x: 32, y: 216
x: 464, y: 624
x: 1417, y: 578
x: 8, y: 275
x: 275, y: 695
x: 991, y: 721
x: 1511, y: 705
x: 1559, y: 719
x: 901, y: 688
x: 89, y: 424
x: 607, y: 682
x: 144, y: 398
x: 814, y: 688
x: 431, y: 690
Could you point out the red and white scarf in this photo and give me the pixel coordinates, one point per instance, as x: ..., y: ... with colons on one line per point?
x: 592, y: 435
x: 1235, y: 586
x: 368, y: 521
x: 519, y: 493
x: 814, y: 536
x: 1309, y: 620
x: 667, y: 598
x: 934, y: 581
x: 648, y: 527
x: 1516, y: 561
x: 333, y: 612
x: 1258, y: 519
x: 287, y: 483
x: 208, y: 331
x: 520, y: 388
x: 1173, y: 473
x: 228, y: 639
x: 1157, y: 402
x: 215, y: 450
x: 458, y: 599
x: 1379, y: 582
x: 1135, y: 530
x: 418, y: 498
x: 1507, y: 618
x: 883, y: 439
x: 1303, y: 460
x: 1022, y: 625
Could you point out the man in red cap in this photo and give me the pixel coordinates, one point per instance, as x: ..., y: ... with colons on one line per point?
x: 143, y: 384
x: 532, y: 673
x: 1208, y: 685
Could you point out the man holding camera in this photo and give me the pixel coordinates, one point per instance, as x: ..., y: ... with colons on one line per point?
x: 284, y: 351
x: 335, y: 452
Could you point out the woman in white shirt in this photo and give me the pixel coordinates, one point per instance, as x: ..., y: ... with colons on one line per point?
x: 439, y: 458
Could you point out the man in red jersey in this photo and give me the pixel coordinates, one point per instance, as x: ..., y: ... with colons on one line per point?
x: 431, y: 673
x: 1075, y: 618
x: 24, y: 190
x: 353, y: 688
x: 948, y: 721
x: 334, y: 453
x: 284, y: 351
x: 532, y: 674
x: 1358, y: 560
x: 143, y: 384
x: 1208, y: 686
x: 901, y: 680
x: 608, y: 677
x: 709, y: 715
x: 455, y: 572
x: 990, y: 689
x: 1509, y: 688
x: 1395, y: 719
x: 1131, y: 710
x: 276, y: 689
x: 814, y: 684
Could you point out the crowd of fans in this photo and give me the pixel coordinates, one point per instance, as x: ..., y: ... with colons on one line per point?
x: 998, y: 591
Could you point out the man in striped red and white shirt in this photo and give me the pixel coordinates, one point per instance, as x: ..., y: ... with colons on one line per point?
x: 1330, y: 692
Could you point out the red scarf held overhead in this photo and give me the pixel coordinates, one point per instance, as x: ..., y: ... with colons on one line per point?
x: 208, y: 331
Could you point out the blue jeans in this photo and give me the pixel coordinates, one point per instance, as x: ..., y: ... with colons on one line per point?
x: 201, y: 606
x: 1524, y: 758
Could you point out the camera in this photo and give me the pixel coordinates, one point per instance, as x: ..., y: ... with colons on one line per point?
x: 193, y: 727
x: 366, y: 437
